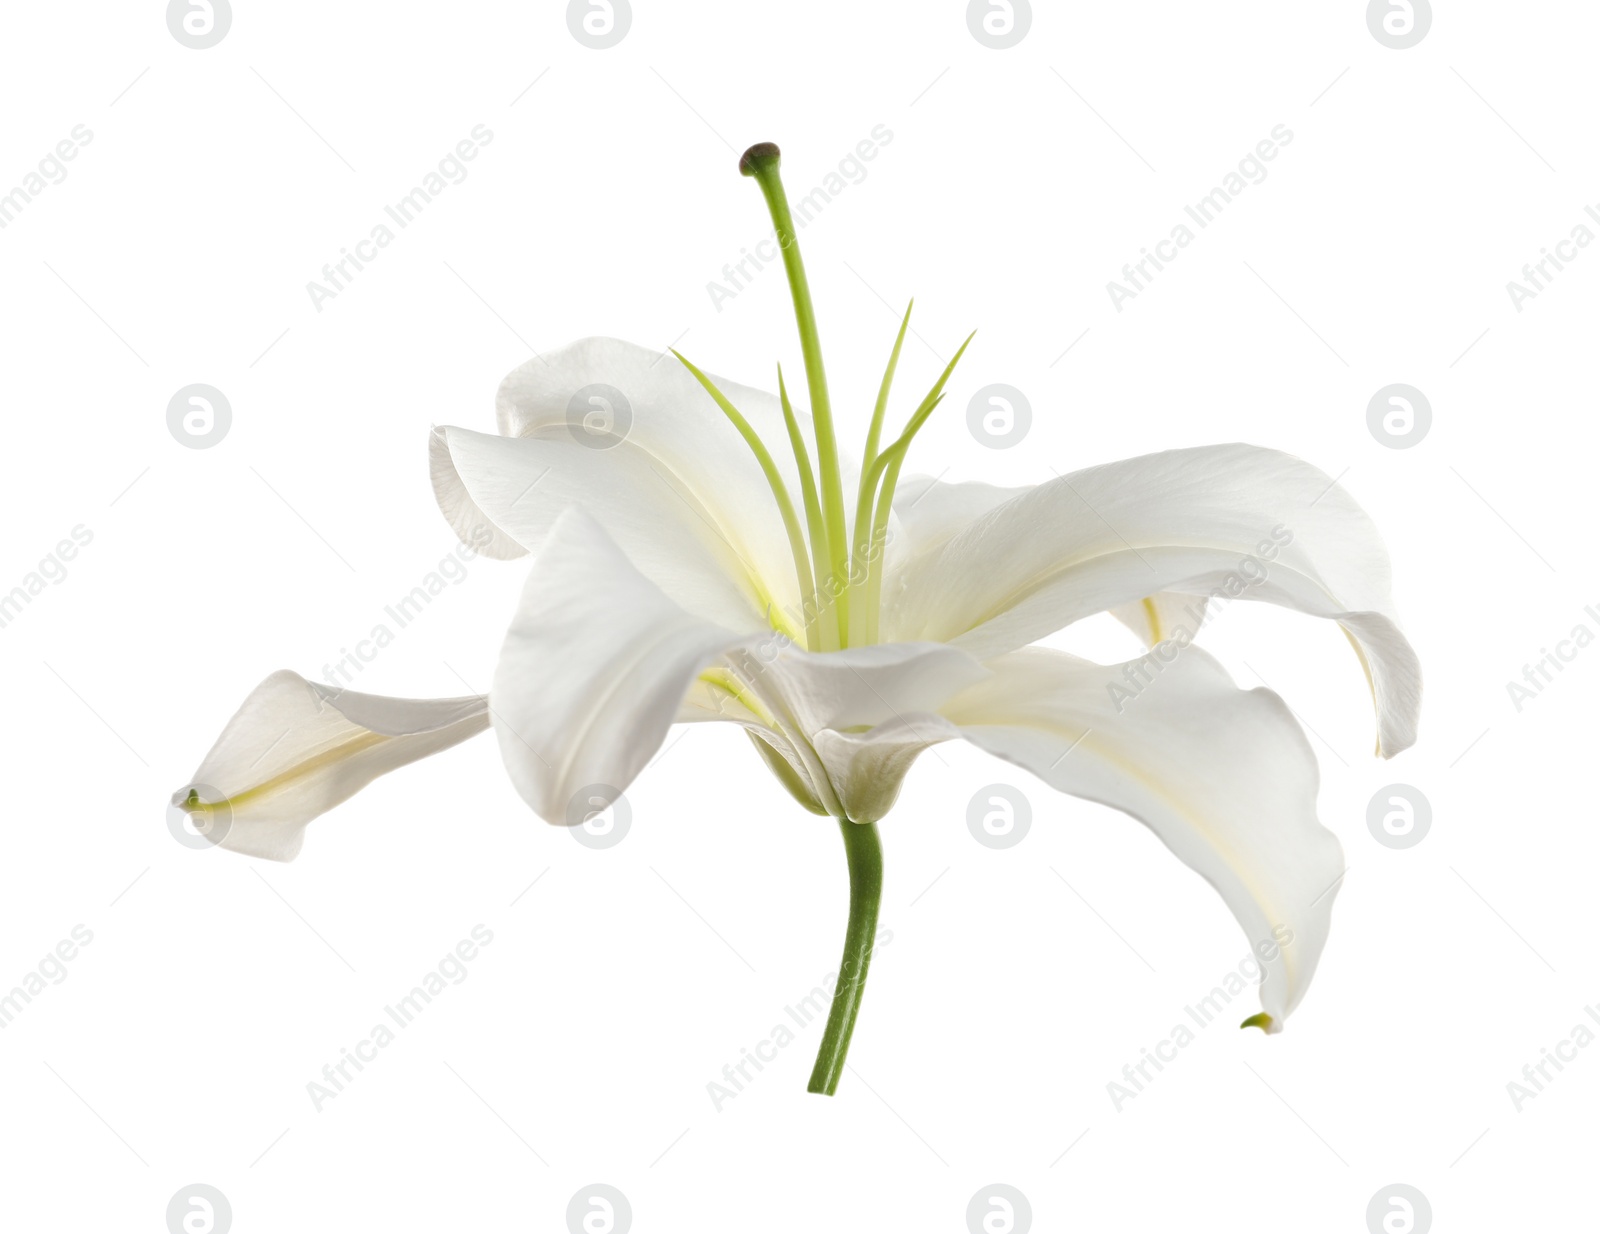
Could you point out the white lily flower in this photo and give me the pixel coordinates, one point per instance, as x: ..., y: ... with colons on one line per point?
x: 673, y: 580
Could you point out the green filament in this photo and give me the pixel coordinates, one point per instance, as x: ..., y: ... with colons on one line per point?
x: 797, y: 544
x: 859, y: 621
x: 875, y: 430
x: 828, y: 630
x: 890, y: 462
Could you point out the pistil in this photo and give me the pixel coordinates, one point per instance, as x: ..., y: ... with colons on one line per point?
x: 761, y: 162
x: 841, y: 577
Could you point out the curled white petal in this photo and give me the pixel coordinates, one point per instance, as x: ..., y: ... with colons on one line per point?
x: 297, y: 748
x: 698, y: 551
x: 1163, y: 616
x: 1227, y: 522
x: 862, y: 714
x: 592, y: 673
x: 1223, y: 776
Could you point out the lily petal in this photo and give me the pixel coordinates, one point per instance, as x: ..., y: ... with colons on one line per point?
x: 846, y: 725
x: 1167, y: 614
x: 1229, y: 521
x: 608, y: 397
x: 592, y: 673
x: 867, y: 769
x: 1223, y: 776
x: 297, y: 748
x: 860, y: 687
x: 718, y: 567
x: 864, y: 713
x: 932, y: 511
x: 629, y: 433
x: 600, y: 662
x: 667, y: 410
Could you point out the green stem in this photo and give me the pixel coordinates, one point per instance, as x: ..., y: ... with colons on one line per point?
x: 761, y: 162
x: 865, y: 855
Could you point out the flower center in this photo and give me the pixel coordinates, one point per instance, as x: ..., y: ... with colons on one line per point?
x: 839, y: 568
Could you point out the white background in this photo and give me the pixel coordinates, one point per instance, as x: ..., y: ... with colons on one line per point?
x: 1019, y: 982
